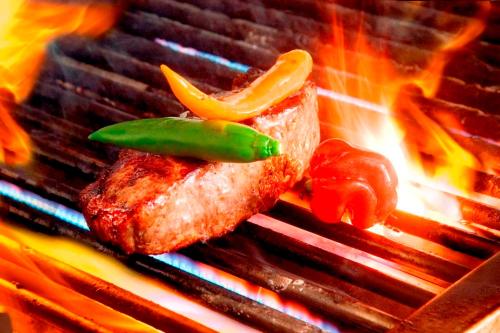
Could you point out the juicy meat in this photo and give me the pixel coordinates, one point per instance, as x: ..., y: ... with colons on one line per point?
x: 153, y: 204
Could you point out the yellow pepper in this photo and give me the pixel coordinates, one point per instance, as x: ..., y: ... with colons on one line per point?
x: 282, y: 80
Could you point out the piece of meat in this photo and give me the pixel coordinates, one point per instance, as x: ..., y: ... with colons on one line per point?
x: 153, y: 204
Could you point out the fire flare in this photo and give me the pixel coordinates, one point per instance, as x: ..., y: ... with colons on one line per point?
x: 397, y: 126
x: 38, y: 263
x: 26, y: 28
x: 18, y: 269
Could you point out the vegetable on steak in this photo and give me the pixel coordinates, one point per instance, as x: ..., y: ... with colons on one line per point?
x: 210, y: 140
x: 285, y: 78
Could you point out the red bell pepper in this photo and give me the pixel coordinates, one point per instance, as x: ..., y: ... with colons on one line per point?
x: 360, y: 182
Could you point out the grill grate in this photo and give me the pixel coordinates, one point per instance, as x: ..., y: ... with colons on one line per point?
x: 359, y: 280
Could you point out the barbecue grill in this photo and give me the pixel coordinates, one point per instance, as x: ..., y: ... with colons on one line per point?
x: 282, y: 271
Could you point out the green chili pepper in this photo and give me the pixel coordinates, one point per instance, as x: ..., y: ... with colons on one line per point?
x: 210, y: 140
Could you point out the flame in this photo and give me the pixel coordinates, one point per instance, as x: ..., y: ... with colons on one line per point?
x: 26, y: 28
x: 397, y: 126
x: 17, y: 267
x: 20, y: 246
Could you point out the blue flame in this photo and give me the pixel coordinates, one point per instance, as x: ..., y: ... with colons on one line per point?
x: 236, y: 66
x: 190, y: 266
x: 46, y: 206
x: 176, y: 260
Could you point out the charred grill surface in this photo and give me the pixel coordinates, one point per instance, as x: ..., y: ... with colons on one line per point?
x: 89, y: 84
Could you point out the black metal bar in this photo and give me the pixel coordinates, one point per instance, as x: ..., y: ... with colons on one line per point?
x: 466, y: 66
x: 77, y: 106
x: 410, y: 31
x: 272, y: 39
x: 50, y: 121
x: 472, y: 95
x: 89, y: 52
x: 369, y: 242
x: 325, y: 261
x: 57, y: 181
x: 473, y: 121
x: 487, y: 184
x: 278, y: 266
x: 195, y: 67
x: 478, y: 213
x: 47, y: 141
x: 329, y: 301
x: 426, y: 17
x: 270, y: 17
x: 448, y: 236
x: 237, y: 29
x: 239, y: 307
x: 461, y: 306
x: 141, y: 98
x: 153, y: 26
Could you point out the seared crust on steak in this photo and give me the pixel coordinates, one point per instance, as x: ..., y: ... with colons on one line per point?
x: 153, y: 204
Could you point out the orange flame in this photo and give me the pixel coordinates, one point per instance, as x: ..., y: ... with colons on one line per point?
x: 17, y: 268
x: 359, y: 70
x: 20, y: 248
x: 26, y: 28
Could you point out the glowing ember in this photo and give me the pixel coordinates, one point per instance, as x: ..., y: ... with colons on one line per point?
x: 370, y: 75
x: 26, y: 27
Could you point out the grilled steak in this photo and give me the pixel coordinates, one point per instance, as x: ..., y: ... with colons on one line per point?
x: 153, y: 204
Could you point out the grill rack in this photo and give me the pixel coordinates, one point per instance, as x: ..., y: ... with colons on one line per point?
x: 87, y: 84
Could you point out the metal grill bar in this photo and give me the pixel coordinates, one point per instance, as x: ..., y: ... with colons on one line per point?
x: 463, y: 305
x: 372, y: 243
x: 331, y: 302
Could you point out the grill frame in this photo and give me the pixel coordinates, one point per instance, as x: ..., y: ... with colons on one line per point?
x: 141, y: 90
